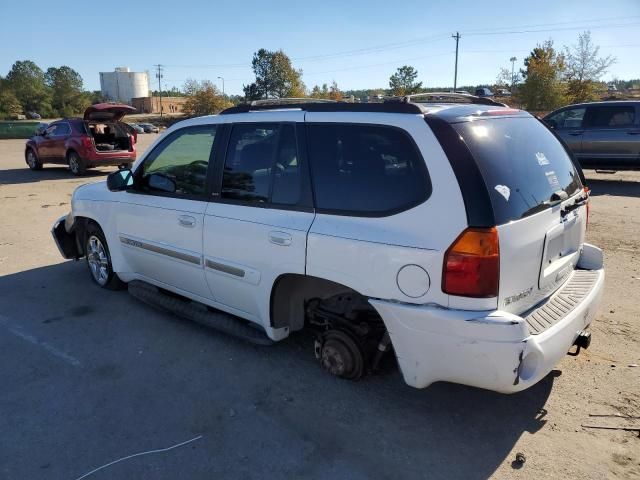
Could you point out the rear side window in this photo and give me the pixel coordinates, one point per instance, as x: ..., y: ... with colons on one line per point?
x: 365, y: 169
x: 611, y: 117
x: 522, y: 163
x: 262, y: 165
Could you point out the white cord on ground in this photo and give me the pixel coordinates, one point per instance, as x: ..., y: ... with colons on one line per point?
x: 138, y: 455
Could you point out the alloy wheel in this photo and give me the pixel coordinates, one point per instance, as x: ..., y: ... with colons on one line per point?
x: 98, y: 260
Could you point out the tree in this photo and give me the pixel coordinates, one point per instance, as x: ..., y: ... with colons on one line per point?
x: 67, y: 96
x: 403, y: 82
x: 26, y: 80
x: 334, y: 92
x: 9, y: 104
x: 543, y: 89
x: 320, y: 92
x: 204, y: 98
x: 275, y: 77
x: 584, y: 67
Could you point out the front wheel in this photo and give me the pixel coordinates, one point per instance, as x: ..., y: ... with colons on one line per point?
x: 99, y: 260
x: 32, y: 160
x: 76, y: 164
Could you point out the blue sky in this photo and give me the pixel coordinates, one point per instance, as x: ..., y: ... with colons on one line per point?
x: 359, y: 44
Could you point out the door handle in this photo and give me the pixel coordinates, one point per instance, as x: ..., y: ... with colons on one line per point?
x: 280, y: 238
x: 186, y: 221
x: 576, y: 132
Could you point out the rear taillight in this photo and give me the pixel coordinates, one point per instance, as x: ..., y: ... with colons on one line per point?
x: 87, y: 142
x: 587, y: 191
x: 472, y: 264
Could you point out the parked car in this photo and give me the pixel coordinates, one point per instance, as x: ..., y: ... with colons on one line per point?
x: 503, y: 92
x: 602, y: 135
x: 371, y: 224
x: 99, y: 139
x: 137, y: 128
x: 149, y: 128
x: 483, y: 92
x: 33, y: 115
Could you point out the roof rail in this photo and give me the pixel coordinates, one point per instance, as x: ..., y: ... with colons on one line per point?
x: 328, y: 106
x: 437, y: 97
x: 286, y: 101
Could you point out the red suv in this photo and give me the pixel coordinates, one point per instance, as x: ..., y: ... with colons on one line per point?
x: 98, y: 139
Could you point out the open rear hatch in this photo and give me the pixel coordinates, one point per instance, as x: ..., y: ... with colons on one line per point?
x: 107, y: 112
x: 539, y: 205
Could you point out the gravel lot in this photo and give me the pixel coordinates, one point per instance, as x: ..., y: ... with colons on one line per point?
x: 90, y: 376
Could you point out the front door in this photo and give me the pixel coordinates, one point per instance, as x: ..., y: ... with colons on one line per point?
x: 51, y: 147
x: 568, y: 123
x: 160, y: 233
x: 255, y: 229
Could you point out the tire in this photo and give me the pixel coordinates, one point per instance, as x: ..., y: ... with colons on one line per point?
x: 77, y: 166
x: 99, y: 259
x: 32, y: 159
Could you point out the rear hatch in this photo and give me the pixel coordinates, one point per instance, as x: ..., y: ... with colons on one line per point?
x: 107, y: 112
x: 538, y: 200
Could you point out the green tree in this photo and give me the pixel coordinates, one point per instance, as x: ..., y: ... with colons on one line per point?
x: 204, y: 98
x: 9, y: 104
x: 26, y: 80
x: 275, y: 77
x: 543, y: 88
x: 67, y: 95
x: 403, y: 82
x: 584, y: 68
x: 334, y: 92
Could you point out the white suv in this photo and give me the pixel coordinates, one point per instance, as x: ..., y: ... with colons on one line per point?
x: 452, y: 234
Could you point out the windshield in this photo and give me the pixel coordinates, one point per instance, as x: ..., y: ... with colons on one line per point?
x: 522, y: 163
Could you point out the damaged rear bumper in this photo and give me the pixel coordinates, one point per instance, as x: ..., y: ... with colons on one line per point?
x: 492, y: 350
x: 64, y: 235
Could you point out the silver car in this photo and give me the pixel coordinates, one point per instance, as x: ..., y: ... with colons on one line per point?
x: 602, y: 135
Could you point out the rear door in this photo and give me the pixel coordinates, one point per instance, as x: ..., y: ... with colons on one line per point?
x: 255, y: 227
x: 568, y: 123
x: 538, y: 203
x: 611, y: 137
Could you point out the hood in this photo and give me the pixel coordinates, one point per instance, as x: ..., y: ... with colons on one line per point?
x: 107, y: 112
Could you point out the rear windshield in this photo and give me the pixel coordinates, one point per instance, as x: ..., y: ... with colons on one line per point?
x: 522, y: 163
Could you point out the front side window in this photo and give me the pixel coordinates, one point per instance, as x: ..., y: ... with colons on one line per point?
x: 184, y: 158
x: 611, y: 117
x: 365, y: 169
x: 569, y: 118
x: 262, y: 165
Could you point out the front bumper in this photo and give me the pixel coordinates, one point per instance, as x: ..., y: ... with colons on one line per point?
x: 64, y: 235
x: 492, y: 350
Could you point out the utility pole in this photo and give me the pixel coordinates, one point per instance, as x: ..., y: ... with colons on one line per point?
x: 222, y: 78
x: 159, y: 77
x: 513, y: 79
x: 455, y: 73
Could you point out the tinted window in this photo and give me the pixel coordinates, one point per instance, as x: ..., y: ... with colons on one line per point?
x: 62, y: 129
x: 571, y: 118
x: 262, y: 164
x: 183, y: 157
x: 365, y: 168
x: 611, y: 117
x: 522, y: 163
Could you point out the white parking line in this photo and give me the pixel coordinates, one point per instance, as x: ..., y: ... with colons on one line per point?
x: 19, y: 332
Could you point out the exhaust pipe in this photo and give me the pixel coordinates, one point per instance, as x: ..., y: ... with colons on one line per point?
x: 583, y: 340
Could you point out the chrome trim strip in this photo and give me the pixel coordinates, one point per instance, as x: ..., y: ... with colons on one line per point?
x: 161, y: 250
x: 238, y: 272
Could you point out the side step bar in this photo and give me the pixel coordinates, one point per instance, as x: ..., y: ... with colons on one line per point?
x: 197, y: 312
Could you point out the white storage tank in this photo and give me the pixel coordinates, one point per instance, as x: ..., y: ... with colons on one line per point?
x: 122, y: 85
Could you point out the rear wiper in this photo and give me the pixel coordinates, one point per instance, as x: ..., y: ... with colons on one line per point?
x: 577, y: 204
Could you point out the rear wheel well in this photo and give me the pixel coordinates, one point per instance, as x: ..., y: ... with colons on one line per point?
x: 291, y: 293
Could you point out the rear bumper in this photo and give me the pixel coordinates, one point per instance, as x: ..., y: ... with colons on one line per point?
x: 491, y: 350
x: 65, y: 237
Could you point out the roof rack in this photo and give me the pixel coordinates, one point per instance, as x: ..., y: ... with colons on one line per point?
x: 289, y: 100
x: 441, y: 97
x: 313, y: 105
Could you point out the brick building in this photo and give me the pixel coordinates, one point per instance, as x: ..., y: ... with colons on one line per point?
x: 152, y: 104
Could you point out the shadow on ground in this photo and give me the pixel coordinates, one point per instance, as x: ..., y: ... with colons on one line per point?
x: 613, y: 187
x: 25, y: 175
x: 136, y: 379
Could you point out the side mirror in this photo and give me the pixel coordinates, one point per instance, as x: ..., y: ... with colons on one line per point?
x: 120, y: 180
x: 161, y: 182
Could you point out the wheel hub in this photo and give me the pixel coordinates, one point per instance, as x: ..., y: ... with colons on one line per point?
x: 340, y: 355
